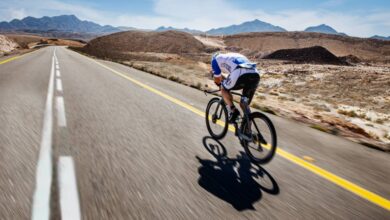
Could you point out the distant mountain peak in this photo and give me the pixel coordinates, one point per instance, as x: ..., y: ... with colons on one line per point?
x: 324, y: 25
x: 245, y: 27
x: 256, y: 21
x: 322, y: 28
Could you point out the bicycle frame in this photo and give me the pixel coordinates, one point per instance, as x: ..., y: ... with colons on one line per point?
x: 246, y: 110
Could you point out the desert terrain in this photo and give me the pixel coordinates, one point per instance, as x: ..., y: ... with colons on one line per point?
x: 11, y: 44
x: 349, y: 98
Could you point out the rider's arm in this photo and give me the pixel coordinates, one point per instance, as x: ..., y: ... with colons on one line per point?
x: 216, y: 72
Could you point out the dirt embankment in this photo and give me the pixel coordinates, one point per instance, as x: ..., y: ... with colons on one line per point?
x: 123, y: 45
x: 24, y: 41
x: 260, y: 44
x: 6, y: 44
x: 317, y: 55
x: 30, y: 41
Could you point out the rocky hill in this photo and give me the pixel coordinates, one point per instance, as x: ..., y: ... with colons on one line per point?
x: 124, y: 45
x: 6, y: 45
x: 317, y: 55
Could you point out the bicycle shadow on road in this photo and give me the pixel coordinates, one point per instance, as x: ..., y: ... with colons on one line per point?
x: 236, y: 181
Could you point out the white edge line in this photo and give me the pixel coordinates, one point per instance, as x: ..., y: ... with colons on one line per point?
x: 41, y: 198
x: 61, y: 118
x: 69, y: 197
x: 59, y: 85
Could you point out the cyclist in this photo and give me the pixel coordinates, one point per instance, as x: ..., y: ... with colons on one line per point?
x: 243, y: 74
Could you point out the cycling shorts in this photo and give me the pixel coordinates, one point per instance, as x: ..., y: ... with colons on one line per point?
x: 247, y: 81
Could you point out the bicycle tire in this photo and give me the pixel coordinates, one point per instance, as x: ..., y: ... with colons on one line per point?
x: 225, y: 125
x: 273, y: 144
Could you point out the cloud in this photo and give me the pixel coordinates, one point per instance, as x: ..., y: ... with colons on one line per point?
x: 207, y: 14
x: 18, y: 13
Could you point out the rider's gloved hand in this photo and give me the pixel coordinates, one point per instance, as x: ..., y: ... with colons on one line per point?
x: 217, y: 80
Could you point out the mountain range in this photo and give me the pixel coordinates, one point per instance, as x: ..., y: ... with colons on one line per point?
x: 187, y: 30
x: 62, y: 23
x: 70, y: 24
x: 380, y: 37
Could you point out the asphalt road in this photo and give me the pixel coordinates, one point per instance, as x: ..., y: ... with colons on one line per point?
x: 139, y: 155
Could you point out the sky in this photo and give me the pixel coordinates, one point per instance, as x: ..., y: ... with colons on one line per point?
x: 353, y: 17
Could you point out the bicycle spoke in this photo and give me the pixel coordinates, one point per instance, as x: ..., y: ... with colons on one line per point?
x: 220, y: 114
x: 258, y: 130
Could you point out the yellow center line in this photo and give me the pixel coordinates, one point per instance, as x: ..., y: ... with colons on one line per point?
x: 360, y: 191
x: 17, y: 57
x: 9, y: 59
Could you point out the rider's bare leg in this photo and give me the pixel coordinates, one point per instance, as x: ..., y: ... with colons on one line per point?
x: 227, y: 97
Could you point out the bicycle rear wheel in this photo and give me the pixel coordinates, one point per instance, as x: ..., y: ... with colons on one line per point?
x: 263, y: 145
x: 216, y: 118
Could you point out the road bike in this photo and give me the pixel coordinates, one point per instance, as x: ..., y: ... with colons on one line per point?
x: 254, y: 130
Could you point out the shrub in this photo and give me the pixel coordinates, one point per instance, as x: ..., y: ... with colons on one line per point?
x: 282, y: 98
x: 347, y: 113
x: 173, y: 78
x: 380, y: 120
x: 320, y: 107
x: 320, y: 128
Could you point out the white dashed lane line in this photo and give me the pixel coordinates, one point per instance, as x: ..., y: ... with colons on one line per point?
x: 69, y: 197
x: 61, y: 118
x: 68, y: 194
x: 59, y: 85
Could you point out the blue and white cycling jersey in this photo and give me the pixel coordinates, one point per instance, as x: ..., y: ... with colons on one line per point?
x: 233, y: 63
x: 229, y: 62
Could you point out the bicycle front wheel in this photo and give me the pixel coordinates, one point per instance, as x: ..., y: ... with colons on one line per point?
x: 217, y: 118
x: 263, y: 145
